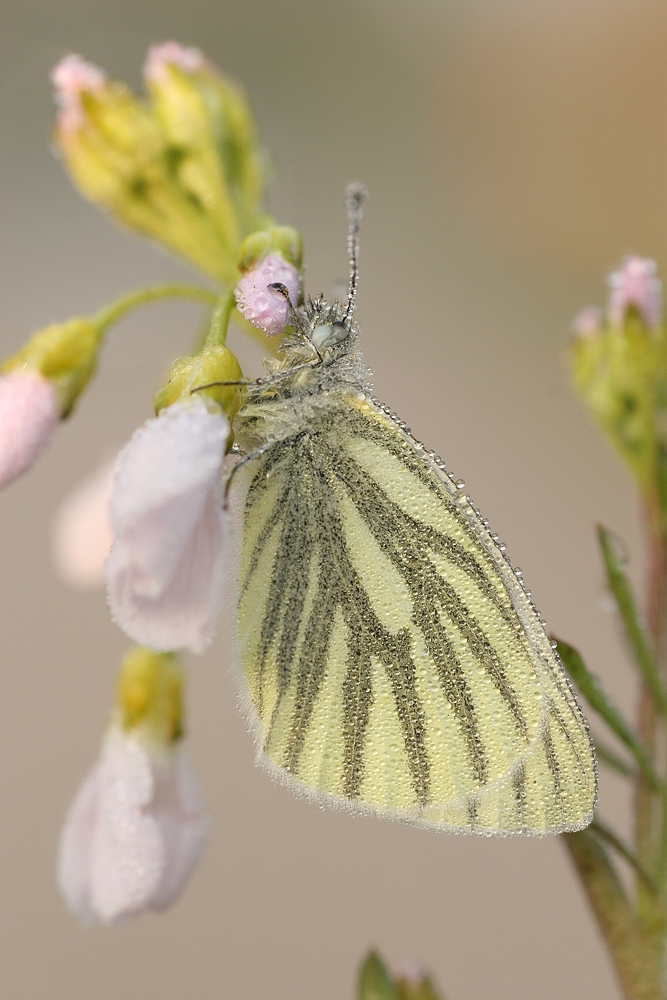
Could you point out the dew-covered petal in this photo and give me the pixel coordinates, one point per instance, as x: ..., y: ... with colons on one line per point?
x: 29, y: 413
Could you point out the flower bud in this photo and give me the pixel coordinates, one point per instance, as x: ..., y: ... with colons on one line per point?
x: 183, y: 169
x: 137, y: 826
x: 65, y: 354
x: 634, y: 285
x: 29, y: 413
x: 283, y: 240
x: 263, y: 306
x: 619, y: 367
x: 214, y: 363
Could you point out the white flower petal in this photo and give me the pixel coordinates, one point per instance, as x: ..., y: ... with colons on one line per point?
x: 179, y: 811
x: 166, y: 566
x: 135, y: 831
x: 128, y: 856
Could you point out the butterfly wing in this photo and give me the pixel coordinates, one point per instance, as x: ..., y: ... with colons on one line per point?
x: 394, y: 661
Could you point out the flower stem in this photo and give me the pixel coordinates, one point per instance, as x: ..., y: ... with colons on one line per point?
x: 115, y: 311
x: 217, y: 334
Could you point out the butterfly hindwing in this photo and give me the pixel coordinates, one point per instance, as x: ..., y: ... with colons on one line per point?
x: 394, y: 661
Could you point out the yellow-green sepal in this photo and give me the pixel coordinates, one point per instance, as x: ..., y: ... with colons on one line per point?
x: 65, y: 354
x: 149, y: 695
x: 284, y: 240
x: 187, y: 376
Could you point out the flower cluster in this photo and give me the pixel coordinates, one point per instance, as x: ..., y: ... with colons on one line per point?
x: 619, y: 366
x: 183, y: 167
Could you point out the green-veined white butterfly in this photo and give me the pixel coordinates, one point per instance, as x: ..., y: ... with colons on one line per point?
x: 394, y: 661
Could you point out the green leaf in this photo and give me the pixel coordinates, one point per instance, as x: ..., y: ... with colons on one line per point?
x: 603, y: 832
x: 592, y: 691
x: 609, y: 757
x: 374, y: 980
x: 634, y: 631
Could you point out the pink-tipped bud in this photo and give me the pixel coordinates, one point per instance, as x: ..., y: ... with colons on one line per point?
x: 635, y: 284
x: 588, y: 322
x: 29, y: 413
x: 72, y: 77
x: 263, y: 306
x: 189, y: 60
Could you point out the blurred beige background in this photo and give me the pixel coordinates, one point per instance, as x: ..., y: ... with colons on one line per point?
x: 514, y: 149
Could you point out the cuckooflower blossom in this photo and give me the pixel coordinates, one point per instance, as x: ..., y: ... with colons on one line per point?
x: 262, y: 306
x: 71, y: 77
x: 183, y: 57
x: 587, y: 322
x: 134, y: 832
x: 29, y: 412
x: 82, y: 530
x: 166, y: 568
x: 635, y: 284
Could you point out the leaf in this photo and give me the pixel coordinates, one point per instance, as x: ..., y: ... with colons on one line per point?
x: 605, y: 833
x: 374, y: 980
x: 634, y: 631
x: 609, y: 757
x: 592, y: 691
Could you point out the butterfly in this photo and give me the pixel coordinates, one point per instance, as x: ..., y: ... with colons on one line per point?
x: 394, y: 662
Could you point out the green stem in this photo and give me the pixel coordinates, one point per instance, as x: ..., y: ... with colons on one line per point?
x: 637, y: 959
x: 217, y: 334
x: 143, y: 296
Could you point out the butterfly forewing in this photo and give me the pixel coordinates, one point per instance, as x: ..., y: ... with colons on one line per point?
x: 394, y: 661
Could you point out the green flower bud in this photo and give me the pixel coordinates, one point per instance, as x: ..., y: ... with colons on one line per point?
x: 65, y: 354
x: 214, y: 363
x: 620, y: 371
x: 149, y: 694
x: 276, y: 239
x: 183, y: 169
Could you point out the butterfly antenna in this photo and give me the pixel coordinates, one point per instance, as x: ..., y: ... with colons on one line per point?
x: 355, y: 196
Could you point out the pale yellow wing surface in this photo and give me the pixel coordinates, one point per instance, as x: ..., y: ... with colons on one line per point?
x: 394, y: 662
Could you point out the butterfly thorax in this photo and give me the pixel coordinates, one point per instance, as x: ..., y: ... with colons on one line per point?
x: 315, y: 367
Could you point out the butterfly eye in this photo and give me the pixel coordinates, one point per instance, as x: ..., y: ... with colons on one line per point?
x: 328, y: 335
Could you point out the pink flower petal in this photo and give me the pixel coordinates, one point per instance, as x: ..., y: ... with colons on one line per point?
x: 171, y: 53
x: 635, y: 284
x: 82, y: 531
x: 29, y: 413
x: 263, y: 306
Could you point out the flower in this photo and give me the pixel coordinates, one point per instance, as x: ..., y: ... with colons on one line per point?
x: 82, y: 530
x: 635, y: 284
x: 72, y: 77
x: 158, y: 57
x: 29, y: 412
x: 165, y: 571
x: 587, y: 322
x: 265, y: 307
x: 134, y: 832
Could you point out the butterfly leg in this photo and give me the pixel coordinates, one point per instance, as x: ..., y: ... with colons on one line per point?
x: 242, y: 461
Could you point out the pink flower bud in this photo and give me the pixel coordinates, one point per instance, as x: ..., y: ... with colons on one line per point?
x: 635, y: 284
x: 170, y: 551
x: 29, y: 413
x: 588, y: 322
x: 134, y: 832
x: 82, y: 531
x: 71, y: 77
x: 171, y: 53
x: 262, y: 306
